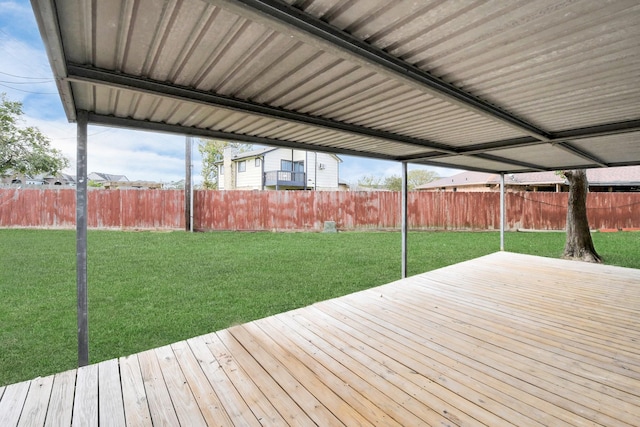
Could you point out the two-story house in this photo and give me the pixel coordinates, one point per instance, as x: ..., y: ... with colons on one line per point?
x: 278, y: 169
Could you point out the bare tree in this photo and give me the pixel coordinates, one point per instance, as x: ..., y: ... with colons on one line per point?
x: 579, y: 244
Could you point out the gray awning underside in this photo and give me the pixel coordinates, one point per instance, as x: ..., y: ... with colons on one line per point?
x: 501, y: 86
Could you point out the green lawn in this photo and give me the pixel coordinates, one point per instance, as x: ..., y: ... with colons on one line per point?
x: 147, y: 289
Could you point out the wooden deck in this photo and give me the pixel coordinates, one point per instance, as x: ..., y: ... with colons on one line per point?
x: 505, y: 339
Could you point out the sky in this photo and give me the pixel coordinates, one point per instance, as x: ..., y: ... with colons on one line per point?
x: 25, y: 76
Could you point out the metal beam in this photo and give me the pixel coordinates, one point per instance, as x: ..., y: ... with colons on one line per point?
x: 486, y: 147
x: 580, y: 153
x: 82, y: 73
x: 49, y: 26
x: 483, y: 153
x: 289, y: 19
x: 607, y: 129
x: 596, y: 162
x: 130, y: 123
x: 81, y: 240
x: 428, y: 159
x: 629, y: 163
x: 442, y: 164
x: 500, y: 159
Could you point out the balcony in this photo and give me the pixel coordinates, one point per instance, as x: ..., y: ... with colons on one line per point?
x: 288, y: 179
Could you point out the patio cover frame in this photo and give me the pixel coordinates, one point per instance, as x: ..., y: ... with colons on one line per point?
x: 497, y: 87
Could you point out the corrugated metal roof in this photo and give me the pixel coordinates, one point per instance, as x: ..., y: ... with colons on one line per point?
x: 502, y: 86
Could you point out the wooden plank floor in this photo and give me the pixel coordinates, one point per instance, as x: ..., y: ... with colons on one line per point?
x: 505, y: 339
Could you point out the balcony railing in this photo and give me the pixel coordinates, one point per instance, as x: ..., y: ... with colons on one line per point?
x: 284, y: 179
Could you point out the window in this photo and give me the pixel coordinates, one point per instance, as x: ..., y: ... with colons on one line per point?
x: 258, y: 162
x: 288, y: 165
x: 221, y: 169
x: 242, y: 166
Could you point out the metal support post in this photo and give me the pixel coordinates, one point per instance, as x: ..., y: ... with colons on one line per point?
x: 81, y: 239
x: 502, y: 211
x: 187, y: 186
x: 404, y: 220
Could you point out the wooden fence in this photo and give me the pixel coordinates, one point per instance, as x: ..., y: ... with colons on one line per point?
x: 128, y: 209
x: 308, y: 210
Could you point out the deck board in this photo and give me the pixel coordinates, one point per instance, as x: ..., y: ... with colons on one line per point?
x: 59, y: 412
x: 12, y: 403
x: 501, y: 340
x: 203, y: 392
x: 160, y: 404
x: 110, y: 394
x: 85, y: 405
x: 134, y: 396
x: 35, y: 406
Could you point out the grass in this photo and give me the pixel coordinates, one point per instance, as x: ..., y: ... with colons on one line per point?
x: 148, y: 289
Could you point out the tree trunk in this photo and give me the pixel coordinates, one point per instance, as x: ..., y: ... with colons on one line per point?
x: 579, y: 245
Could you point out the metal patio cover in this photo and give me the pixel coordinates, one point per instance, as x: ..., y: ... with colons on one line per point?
x: 501, y: 86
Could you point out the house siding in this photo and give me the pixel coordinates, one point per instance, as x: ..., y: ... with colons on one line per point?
x: 327, y: 178
x: 272, y: 159
x: 221, y: 176
x: 251, y: 178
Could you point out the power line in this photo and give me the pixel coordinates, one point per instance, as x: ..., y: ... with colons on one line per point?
x: 91, y: 134
x: 28, y: 91
x: 11, y: 38
x: 26, y: 77
x: 27, y: 83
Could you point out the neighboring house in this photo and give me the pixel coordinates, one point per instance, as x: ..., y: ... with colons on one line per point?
x: 278, y: 169
x: 42, y: 179
x: 110, y: 181
x: 63, y: 179
x: 618, y: 179
x: 105, y: 177
x: 107, y: 181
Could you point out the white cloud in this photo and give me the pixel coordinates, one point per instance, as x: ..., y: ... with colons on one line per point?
x: 15, y: 8
x: 144, y: 156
